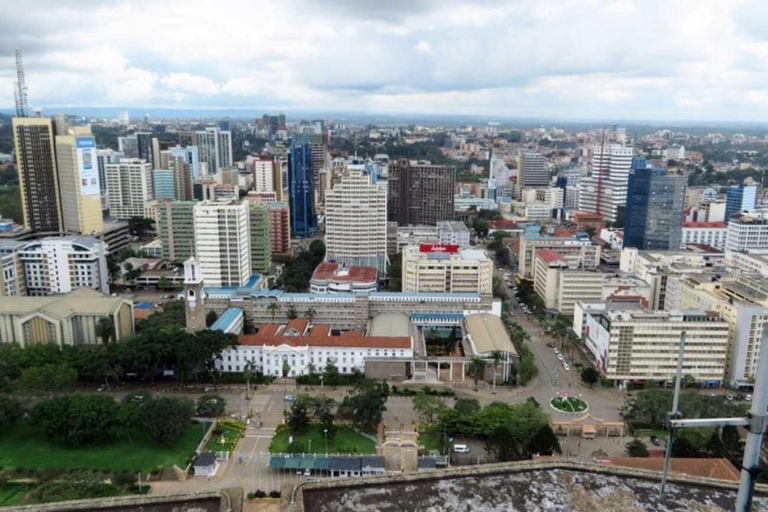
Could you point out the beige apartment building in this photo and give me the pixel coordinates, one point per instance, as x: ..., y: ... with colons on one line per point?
x: 560, y: 287
x: 436, y: 268
x: 641, y: 345
x: 578, y: 251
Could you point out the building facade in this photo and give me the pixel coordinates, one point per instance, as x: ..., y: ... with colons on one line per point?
x: 740, y: 199
x: 713, y: 234
x: 453, y: 233
x: 531, y: 171
x: 280, y: 227
x: 79, y: 181
x: 222, y: 243
x: 176, y: 225
x: 654, y: 214
x: 605, y: 191
x: 578, y: 251
x: 333, y: 277
x: 420, y: 193
x: 129, y: 186
x: 259, y: 219
x: 301, y: 190
x: 356, y: 222
x: 33, y: 139
x: 561, y: 288
x: 267, y: 175
x: 430, y: 268
x: 746, y: 232
x: 59, y: 265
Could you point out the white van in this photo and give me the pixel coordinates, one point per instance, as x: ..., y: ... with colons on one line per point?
x: 460, y: 448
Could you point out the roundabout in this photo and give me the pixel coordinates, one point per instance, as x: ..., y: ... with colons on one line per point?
x: 569, y: 404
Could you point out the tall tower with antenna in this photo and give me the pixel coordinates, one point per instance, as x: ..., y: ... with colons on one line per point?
x: 22, y: 107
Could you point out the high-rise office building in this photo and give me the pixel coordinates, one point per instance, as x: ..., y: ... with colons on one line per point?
x: 261, y: 245
x: 128, y: 146
x: 739, y: 199
x: 79, y: 181
x: 176, y: 225
x: 190, y: 155
x: 226, y: 158
x: 104, y: 157
x: 420, y: 194
x: 123, y: 117
x: 129, y: 185
x: 605, y: 192
x: 145, y: 147
x: 38, y: 177
x: 267, y: 175
x: 654, y: 215
x: 280, y: 227
x: 181, y: 175
x: 531, y: 171
x: 214, y: 148
x: 222, y: 242
x: 301, y: 189
x: 356, y: 222
x: 164, y: 188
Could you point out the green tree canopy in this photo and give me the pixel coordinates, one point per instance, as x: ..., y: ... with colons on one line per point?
x: 166, y: 418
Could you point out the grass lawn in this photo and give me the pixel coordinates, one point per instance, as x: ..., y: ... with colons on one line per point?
x: 569, y: 404
x: 10, y: 494
x: 431, y: 439
x: 20, y: 447
x: 346, y: 440
x: 230, y: 435
x: 648, y: 432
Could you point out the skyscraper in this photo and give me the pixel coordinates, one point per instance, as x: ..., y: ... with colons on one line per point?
x: 163, y: 184
x: 420, y: 194
x: 267, y: 176
x: 104, y: 157
x: 129, y: 184
x: 190, y: 155
x: 740, y: 198
x: 654, y: 214
x: 79, y: 181
x: 605, y: 192
x: 356, y: 222
x: 214, y: 148
x: 145, y: 147
x: 176, y: 163
x: 38, y: 176
x: 222, y: 242
x: 531, y: 171
x: 301, y: 189
x: 128, y: 146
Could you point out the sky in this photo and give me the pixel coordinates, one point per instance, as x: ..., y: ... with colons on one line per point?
x: 677, y: 60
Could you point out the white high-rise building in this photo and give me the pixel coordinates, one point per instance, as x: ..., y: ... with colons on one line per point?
x: 59, y: 265
x: 225, y: 148
x: 123, y: 117
x: 104, y: 157
x: 215, y: 148
x: 222, y: 242
x: 531, y: 171
x: 356, y: 222
x: 612, y: 163
x: 129, y: 186
x: 747, y: 232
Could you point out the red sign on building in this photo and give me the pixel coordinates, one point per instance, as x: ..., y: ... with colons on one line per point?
x: 449, y: 248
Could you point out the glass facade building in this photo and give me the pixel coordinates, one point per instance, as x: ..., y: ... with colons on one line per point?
x: 301, y: 189
x: 740, y: 198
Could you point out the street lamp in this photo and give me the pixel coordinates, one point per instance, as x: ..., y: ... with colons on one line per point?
x: 325, y: 431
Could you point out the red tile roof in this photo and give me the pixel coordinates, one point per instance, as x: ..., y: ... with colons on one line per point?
x: 329, y: 271
x: 320, y: 336
x: 549, y: 255
x: 501, y: 224
x: 586, y: 216
x: 702, y: 225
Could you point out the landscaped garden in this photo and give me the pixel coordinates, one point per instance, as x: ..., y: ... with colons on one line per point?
x: 225, y: 437
x: 569, y: 404
x: 312, y: 440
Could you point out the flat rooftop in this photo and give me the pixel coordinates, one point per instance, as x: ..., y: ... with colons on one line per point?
x: 530, y: 486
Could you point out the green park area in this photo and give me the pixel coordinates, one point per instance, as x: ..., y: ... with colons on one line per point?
x: 312, y: 440
x: 21, y: 447
x: 569, y: 404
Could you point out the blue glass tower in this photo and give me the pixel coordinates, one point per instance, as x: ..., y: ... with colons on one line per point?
x: 301, y: 189
x: 740, y: 198
x: 654, y: 214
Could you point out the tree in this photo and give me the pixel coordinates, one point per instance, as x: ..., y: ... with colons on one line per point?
x: 47, y: 379
x: 76, y: 420
x: 589, y: 376
x: 496, y: 357
x: 210, y: 318
x: 467, y: 406
x: 687, y: 381
x: 428, y: 407
x: 544, y: 442
x: 248, y: 375
x: 504, y: 445
x: 211, y: 406
x: 139, y: 226
x: 166, y: 418
x: 636, y: 448
x: 528, y: 370
x: 324, y: 412
x: 10, y: 411
x: 476, y: 369
x: 310, y: 314
x: 273, y: 308
x: 292, y: 313
x: 317, y: 250
x: 105, y: 329
x: 331, y: 375
x: 395, y: 272
x: 298, y: 417
x: 164, y: 284
x: 366, y: 404
x: 296, y: 447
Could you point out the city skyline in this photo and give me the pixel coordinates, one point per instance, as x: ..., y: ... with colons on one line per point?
x: 689, y: 61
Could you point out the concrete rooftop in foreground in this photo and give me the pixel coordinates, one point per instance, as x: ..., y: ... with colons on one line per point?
x: 531, y: 486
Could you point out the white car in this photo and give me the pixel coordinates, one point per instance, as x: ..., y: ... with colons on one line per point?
x: 460, y: 448
x: 566, y: 366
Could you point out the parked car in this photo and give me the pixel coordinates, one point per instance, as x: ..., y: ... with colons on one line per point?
x: 748, y: 398
x: 729, y: 396
x: 566, y: 366
x: 289, y: 398
x: 460, y: 448
x: 655, y: 441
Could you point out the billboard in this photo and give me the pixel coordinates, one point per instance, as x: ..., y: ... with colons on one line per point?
x: 598, y: 338
x: 87, y: 166
x: 449, y: 248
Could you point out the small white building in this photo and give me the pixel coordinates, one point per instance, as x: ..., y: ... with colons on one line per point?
x: 206, y: 464
x: 713, y: 234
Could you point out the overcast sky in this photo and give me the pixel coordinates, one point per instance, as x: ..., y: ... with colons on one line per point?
x: 569, y: 59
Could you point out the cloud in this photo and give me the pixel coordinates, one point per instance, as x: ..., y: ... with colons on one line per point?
x: 642, y: 59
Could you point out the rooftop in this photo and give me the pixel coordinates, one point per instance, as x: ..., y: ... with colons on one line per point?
x: 333, y: 270
x: 390, y: 324
x: 226, y: 319
x: 298, y: 333
x: 78, y: 301
x: 550, y: 256
x: 488, y: 334
x: 705, y: 225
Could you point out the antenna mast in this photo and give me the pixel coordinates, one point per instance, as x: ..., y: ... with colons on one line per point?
x: 600, y: 176
x: 20, y: 94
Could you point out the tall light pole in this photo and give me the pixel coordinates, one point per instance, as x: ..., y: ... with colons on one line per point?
x: 325, y: 431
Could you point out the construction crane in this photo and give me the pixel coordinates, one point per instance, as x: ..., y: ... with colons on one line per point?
x: 20, y: 93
